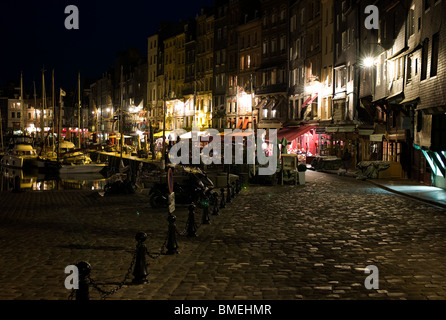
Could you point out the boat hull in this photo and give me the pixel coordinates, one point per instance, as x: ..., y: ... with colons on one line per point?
x: 18, y: 162
x: 48, y: 165
x: 82, y: 169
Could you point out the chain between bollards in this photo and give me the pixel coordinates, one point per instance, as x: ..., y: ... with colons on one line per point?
x: 139, y: 263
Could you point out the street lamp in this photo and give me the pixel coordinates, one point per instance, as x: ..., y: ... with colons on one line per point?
x: 369, y: 62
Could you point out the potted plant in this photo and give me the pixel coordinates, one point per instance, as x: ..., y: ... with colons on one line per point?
x: 301, y: 169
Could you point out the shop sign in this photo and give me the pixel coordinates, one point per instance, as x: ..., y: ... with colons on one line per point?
x: 377, y: 137
x: 366, y: 132
x: 331, y: 129
x: 347, y: 129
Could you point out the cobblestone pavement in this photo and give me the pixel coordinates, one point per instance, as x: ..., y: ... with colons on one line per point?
x: 273, y: 243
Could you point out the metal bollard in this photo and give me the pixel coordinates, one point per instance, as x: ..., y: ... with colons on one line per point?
x: 140, y: 272
x: 215, y: 209
x: 172, y: 245
x: 191, y: 226
x: 233, y: 190
x: 205, y: 218
x: 222, y: 201
x: 83, y: 293
x: 228, y: 194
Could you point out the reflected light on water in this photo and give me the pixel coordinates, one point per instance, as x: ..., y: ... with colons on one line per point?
x: 12, y: 179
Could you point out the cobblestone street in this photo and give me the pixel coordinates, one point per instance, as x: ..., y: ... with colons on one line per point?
x: 273, y: 243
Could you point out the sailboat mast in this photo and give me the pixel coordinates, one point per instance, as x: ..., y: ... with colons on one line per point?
x: 35, y: 97
x: 42, y: 114
x: 22, y: 106
x: 79, y: 112
x: 59, y: 127
x: 1, y: 130
x: 164, y: 122
x: 120, y: 113
x: 54, y: 108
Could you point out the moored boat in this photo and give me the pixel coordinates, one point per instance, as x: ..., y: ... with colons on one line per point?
x: 69, y: 154
x: 47, y: 161
x: 82, y: 168
x: 21, y: 153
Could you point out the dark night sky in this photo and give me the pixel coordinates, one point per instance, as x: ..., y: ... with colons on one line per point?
x: 32, y: 34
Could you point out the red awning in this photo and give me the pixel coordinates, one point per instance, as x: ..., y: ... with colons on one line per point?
x: 291, y: 134
x: 245, y: 124
x: 309, y: 101
x: 239, y: 126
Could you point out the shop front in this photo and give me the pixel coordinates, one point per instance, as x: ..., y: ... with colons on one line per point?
x: 302, y: 141
x: 342, y: 138
x: 369, y: 145
x: 395, y: 151
x: 433, y: 150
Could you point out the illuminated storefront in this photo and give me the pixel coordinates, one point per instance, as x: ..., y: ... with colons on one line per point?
x: 303, y: 141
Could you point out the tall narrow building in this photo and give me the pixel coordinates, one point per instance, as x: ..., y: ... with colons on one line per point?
x: 220, y: 83
x: 430, y: 116
x: 249, y: 60
x: 190, y: 77
x: 153, y: 98
x: 272, y: 93
x: 205, y: 68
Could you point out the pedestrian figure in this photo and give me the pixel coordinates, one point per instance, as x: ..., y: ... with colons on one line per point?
x: 346, y: 159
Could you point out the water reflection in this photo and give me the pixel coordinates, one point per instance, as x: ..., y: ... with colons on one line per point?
x: 13, y: 179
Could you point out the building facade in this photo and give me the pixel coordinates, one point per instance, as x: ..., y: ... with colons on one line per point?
x: 272, y: 91
x: 249, y: 60
x: 312, y: 68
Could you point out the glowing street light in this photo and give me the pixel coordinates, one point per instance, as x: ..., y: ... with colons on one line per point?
x: 369, y: 62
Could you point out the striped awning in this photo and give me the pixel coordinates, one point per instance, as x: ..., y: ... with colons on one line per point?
x: 291, y: 133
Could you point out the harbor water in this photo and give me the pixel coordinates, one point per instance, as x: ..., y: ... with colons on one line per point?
x: 13, y: 179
